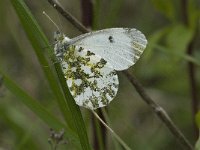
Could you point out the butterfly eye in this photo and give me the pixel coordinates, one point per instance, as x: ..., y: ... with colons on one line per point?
x: 57, y: 32
x: 58, y: 36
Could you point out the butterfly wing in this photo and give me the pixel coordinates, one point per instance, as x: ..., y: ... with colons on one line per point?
x: 121, y: 47
x: 92, y: 81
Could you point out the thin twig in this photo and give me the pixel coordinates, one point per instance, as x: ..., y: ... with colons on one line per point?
x: 112, y: 132
x: 87, y: 13
x: 68, y: 16
x: 98, y: 129
x: 161, y: 113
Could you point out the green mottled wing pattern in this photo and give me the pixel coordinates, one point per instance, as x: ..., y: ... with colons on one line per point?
x: 90, y: 62
x: 92, y: 81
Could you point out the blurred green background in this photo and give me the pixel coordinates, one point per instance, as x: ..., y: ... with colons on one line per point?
x: 162, y: 69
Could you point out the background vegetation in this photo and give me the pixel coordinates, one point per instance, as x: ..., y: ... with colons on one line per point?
x: 31, y: 99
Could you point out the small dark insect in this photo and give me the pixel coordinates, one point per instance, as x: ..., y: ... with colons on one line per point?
x: 111, y: 39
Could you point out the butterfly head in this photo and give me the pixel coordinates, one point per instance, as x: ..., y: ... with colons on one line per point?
x: 61, y: 43
x: 58, y: 37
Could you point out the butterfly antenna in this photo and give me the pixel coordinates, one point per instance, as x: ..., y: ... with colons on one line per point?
x: 51, y: 20
x: 60, y: 23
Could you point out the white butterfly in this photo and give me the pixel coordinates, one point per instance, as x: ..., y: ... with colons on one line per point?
x: 90, y: 62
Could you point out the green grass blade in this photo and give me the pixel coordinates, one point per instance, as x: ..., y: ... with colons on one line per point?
x: 18, y: 130
x: 99, y: 134
x: 39, y: 41
x: 36, y: 107
x: 78, y: 119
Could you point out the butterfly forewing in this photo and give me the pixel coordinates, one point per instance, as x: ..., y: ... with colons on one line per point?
x: 89, y: 62
x: 92, y: 81
x: 120, y: 47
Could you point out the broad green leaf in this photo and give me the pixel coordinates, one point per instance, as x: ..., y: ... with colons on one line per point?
x: 153, y: 40
x: 178, y: 38
x: 180, y: 55
x: 166, y: 7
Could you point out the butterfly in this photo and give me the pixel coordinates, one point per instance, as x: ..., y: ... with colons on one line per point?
x: 90, y: 61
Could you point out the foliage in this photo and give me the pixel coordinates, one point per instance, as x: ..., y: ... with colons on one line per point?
x: 34, y: 96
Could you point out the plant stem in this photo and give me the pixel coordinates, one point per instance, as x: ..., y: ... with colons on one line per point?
x: 112, y: 132
x: 191, y: 70
x: 160, y: 112
x: 68, y: 16
x: 105, y: 115
x: 155, y: 107
x: 87, y: 13
x: 99, y: 131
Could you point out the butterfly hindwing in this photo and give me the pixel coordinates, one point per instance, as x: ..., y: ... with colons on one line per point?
x: 92, y: 81
x: 90, y: 61
x: 121, y: 47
